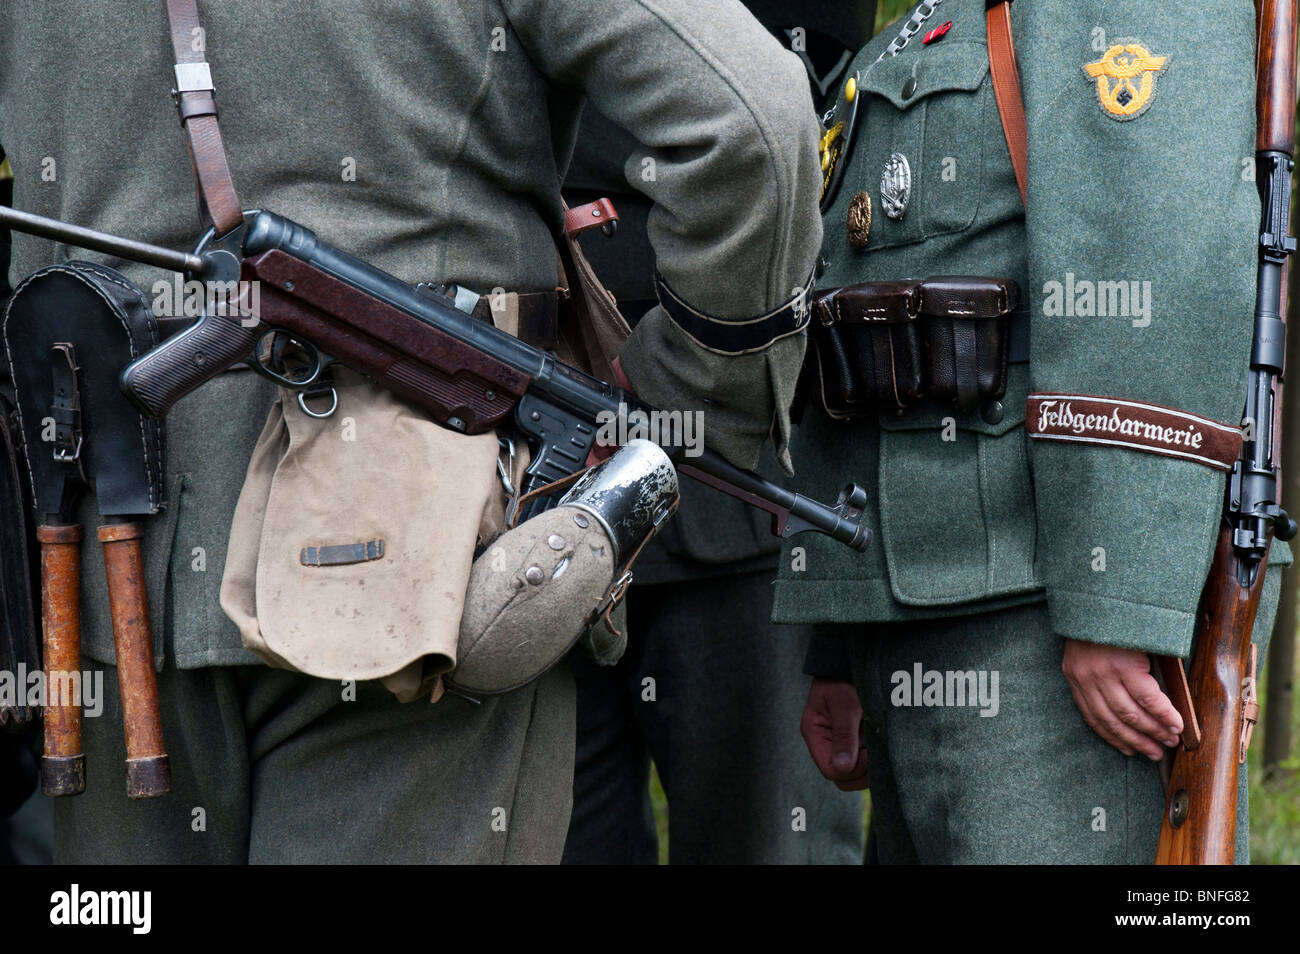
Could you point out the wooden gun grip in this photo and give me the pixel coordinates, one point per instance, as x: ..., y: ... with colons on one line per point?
x: 63, y: 766
x: 148, y: 773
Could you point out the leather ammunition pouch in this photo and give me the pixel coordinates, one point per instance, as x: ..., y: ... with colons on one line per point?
x: 888, y: 346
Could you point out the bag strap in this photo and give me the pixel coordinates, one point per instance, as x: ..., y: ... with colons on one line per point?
x: 196, y: 102
x: 1006, y: 87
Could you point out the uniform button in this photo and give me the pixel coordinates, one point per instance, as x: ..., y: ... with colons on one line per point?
x: 534, y: 575
x: 581, y: 520
x: 555, y: 541
x: 909, y: 88
x: 992, y: 412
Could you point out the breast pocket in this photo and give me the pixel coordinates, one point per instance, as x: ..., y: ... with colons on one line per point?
x: 920, y: 149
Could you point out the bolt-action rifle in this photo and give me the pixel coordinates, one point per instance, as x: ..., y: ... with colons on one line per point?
x: 1200, y: 824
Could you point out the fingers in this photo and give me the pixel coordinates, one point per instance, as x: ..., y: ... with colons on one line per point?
x: 1146, y: 691
x: 856, y: 779
x: 1114, y: 722
x: 1120, y: 700
x: 830, y: 727
x: 846, y: 726
x: 1138, y: 702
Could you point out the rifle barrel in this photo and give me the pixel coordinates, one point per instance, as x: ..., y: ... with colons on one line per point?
x: 126, y: 248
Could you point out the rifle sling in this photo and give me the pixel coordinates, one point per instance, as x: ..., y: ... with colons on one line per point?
x: 1006, y: 87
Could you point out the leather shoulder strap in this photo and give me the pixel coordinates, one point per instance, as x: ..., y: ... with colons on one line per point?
x: 196, y: 102
x: 1006, y: 86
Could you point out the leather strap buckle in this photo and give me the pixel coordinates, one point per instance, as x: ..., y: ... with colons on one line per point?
x: 65, y: 405
x: 1249, y: 706
x: 193, y: 78
x: 600, y: 214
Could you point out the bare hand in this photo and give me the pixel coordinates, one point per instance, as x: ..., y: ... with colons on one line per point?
x: 831, y: 727
x: 1120, y: 699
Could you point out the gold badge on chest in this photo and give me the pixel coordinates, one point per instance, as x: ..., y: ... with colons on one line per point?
x: 859, y: 221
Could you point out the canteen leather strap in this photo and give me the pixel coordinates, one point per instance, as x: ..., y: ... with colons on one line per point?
x: 196, y: 104
x: 1006, y: 87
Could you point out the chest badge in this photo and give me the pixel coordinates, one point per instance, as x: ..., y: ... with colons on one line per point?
x: 1126, y: 79
x: 895, y: 185
x: 859, y: 224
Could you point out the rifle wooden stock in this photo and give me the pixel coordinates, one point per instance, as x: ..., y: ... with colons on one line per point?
x: 1275, y: 71
x: 1200, y: 823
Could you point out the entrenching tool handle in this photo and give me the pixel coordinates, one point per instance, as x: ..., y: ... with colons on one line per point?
x: 63, y: 766
x: 148, y: 773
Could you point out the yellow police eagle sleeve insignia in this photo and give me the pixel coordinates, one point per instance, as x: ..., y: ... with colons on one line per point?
x: 1126, y: 79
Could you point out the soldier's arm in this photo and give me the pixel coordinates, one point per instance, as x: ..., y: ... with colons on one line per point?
x: 1144, y: 196
x: 730, y: 163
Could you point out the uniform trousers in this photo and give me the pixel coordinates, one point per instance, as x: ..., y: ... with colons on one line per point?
x: 277, y: 767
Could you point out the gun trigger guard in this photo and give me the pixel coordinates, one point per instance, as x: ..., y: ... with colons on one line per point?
x: 317, y: 368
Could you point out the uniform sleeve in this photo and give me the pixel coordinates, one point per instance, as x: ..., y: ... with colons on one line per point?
x: 1142, y: 221
x: 828, y: 656
x: 730, y: 165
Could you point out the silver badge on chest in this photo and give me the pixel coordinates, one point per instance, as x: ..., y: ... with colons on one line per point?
x: 895, y: 185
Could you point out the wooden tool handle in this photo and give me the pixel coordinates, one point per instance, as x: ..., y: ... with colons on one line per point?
x: 63, y: 766
x: 148, y: 773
